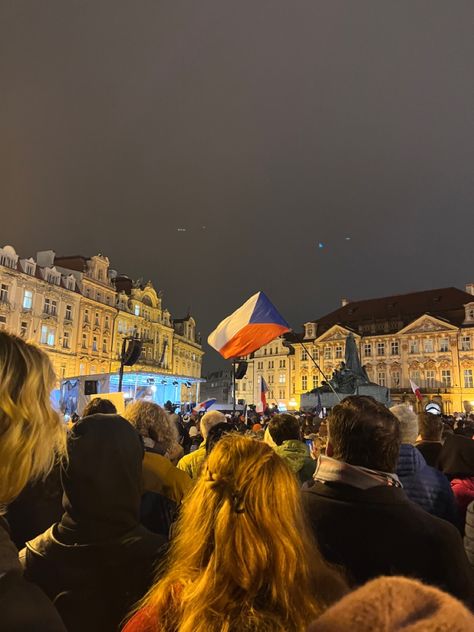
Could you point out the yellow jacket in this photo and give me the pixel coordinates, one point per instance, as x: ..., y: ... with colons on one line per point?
x: 191, y: 463
x: 161, y: 476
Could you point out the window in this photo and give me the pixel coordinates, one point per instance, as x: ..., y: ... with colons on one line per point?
x: 315, y: 381
x: 54, y: 308
x: 381, y: 348
x: 271, y: 378
x: 106, y: 325
x: 271, y: 351
x: 466, y: 343
x: 28, y: 299
x: 413, y: 346
x: 47, y: 336
x: 44, y: 334
x: 381, y: 378
x: 68, y: 314
x: 415, y: 376
x: 282, y: 393
x: 51, y: 337
x: 66, y: 340
x: 282, y: 364
x: 430, y: 379
x: 96, y: 322
x: 63, y: 370
x: 260, y: 366
x: 104, y: 345
x: 304, y: 382
x: 367, y: 349
x: 446, y: 377
x: 327, y: 353
x: 84, y: 341
x: 396, y: 379
x: 429, y: 345
x: 29, y: 270
x: 82, y: 369
x: 468, y: 382
x: 304, y: 355
x: 3, y: 322
x: 270, y: 364
x: 444, y: 345
x: 3, y: 293
x: 338, y: 351
x: 394, y: 347
x: 23, y: 329
x: 86, y: 315
x: 137, y: 310
x: 282, y: 378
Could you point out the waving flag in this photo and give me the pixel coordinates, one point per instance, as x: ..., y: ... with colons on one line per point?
x: 250, y: 327
x: 262, y: 404
x: 416, y: 390
x: 318, y: 409
x: 205, y: 405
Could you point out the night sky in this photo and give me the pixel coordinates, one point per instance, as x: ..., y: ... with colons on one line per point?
x: 274, y: 124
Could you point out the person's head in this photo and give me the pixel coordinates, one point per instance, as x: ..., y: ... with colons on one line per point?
x: 215, y: 434
x: 32, y: 435
x: 152, y: 422
x: 284, y: 428
x: 408, y: 423
x: 242, y: 554
x: 102, y: 481
x: 430, y: 427
x: 99, y: 405
x: 362, y: 431
x: 212, y: 418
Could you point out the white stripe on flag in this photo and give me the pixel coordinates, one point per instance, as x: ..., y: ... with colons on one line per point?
x: 227, y: 329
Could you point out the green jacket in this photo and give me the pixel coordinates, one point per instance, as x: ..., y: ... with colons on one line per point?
x: 191, y: 463
x: 295, y: 453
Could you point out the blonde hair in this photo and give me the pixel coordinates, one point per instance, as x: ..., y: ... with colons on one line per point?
x: 212, y: 418
x: 242, y: 557
x: 32, y: 433
x: 152, y: 421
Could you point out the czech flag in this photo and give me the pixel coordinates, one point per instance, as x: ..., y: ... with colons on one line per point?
x: 416, y: 390
x: 252, y: 326
x: 205, y: 405
x: 262, y: 404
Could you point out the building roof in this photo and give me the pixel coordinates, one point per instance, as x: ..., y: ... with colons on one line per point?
x: 391, y: 313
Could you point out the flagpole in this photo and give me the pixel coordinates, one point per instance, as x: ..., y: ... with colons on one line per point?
x: 320, y: 370
x: 233, y: 387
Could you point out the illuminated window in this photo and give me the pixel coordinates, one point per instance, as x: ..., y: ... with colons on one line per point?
x: 381, y: 378
x: 430, y: 379
x: 444, y: 345
x: 429, y: 345
x: 468, y: 382
x: 28, y: 299
x: 304, y: 382
x: 394, y: 347
x: 338, y: 351
x: 282, y: 378
x: 396, y: 379
x: 381, y: 348
x: 414, y: 346
x: 304, y: 355
x: 367, y: 349
x: 3, y: 293
x: 446, y: 377
x: 315, y: 381
x: 327, y: 353
x: 466, y: 343
x: 137, y: 310
x: 66, y: 340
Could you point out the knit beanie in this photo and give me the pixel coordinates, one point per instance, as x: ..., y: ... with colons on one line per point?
x: 408, y: 423
x: 390, y: 604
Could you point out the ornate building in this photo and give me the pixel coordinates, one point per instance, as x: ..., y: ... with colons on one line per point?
x: 79, y: 311
x: 427, y: 337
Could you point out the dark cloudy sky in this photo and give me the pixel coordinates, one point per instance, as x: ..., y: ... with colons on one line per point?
x: 276, y: 124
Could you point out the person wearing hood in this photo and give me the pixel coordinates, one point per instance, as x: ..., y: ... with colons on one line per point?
x: 192, y: 463
x: 424, y: 485
x: 98, y: 560
x: 456, y: 460
x: 284, y: 436
x: 32, y: 438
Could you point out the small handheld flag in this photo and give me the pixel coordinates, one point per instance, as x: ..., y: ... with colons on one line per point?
x: 250, y: 327
x: 416, y: 390
x: 262, y: 404
x: 205, y: 405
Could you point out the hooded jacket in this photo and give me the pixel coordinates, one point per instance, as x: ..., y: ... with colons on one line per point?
x: 23, y: 606
x: 295, y: 453
x: 426, y: 486
x: 98, y: 560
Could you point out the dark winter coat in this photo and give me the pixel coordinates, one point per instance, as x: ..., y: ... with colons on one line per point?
x: 379, y: 531
x: 469, y: 534
x: 425, y: 485
x: 430, y: 451
x: 98, y: 560
x: 23, y: 606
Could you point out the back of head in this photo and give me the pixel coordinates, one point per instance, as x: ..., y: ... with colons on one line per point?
x: 215, y: 434
x: 430, y: 427
x: 32, y: 434
x: 242, y: 551
x: 408, y: 423
x: 284, y: 428
x: 364, y: 432
x: 99, y: 405
x: 212, y: 418
x: 152, y: 421
x: 456, y: 458
x: 102, y: 481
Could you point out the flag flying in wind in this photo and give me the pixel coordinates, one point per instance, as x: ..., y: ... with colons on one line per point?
x: 205, y: 405
x: 416, y: 390
x: 262, y: 404
x: 252, y: 326
x: 318, y: 409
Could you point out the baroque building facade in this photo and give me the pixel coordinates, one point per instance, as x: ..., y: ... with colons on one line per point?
x: 426, y: 337
x: 80, y: 311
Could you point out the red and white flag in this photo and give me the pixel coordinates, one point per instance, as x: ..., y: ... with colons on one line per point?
x: 262, y: 404
x: 416, y: 390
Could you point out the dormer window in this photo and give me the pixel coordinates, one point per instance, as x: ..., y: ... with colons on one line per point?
x: 309, y: 330
x: 469, y: 313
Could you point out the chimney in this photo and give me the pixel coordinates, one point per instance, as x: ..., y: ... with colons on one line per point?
x: 470, y: 288
x: 346, y: 301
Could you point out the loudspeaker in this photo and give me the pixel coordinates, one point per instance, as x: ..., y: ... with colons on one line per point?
x: 90, y: 387
x: 132, y: 352
x: 241, y: 370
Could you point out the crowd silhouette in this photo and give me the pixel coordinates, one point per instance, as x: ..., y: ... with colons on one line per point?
x: 160, y: 522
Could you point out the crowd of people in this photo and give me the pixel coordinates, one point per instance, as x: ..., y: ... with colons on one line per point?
x: 153, y: 521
